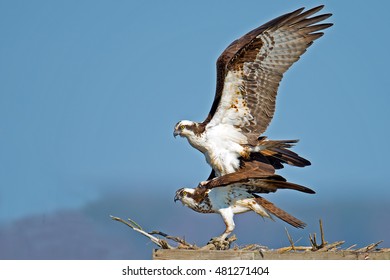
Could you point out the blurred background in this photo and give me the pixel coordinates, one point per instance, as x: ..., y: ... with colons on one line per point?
x: 90, y: 92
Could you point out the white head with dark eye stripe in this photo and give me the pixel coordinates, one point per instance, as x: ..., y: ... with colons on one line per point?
x: 185, y: 128
x: 185, y: 195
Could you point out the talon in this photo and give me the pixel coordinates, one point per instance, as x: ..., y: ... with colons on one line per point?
x: 219, y: 243
x: 246, y: 152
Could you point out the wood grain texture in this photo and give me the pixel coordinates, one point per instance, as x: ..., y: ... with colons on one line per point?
x: 178, y: 254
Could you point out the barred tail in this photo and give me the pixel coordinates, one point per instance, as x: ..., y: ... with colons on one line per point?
x: 281, y: 214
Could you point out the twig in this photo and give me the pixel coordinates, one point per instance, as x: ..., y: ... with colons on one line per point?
x: 290, y: 240
x: 350, y: 247
x: 134, y: 223
x: 369, y: 247
x: 174, y: 238
x: 207, y: 247
x: 323, y: 242
x: 313, y: 239
x: 248, y: 247
x: 330, y: 246
x: 159, y: 242
x: 296, y: 248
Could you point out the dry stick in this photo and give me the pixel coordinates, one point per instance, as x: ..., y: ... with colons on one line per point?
x: 330, y: 246
x: 369, y: 247
x: 253, y: 247
x: 350, y: 247
x: 248, y: 247
x: 159, y: 242
x: 313, y: 241
x: 134, y: 223
x: 297, y: 248
x: 290, y: 239
x: 292, y: 247
x: 207, y: 247
x: 174, y: 238
x: 323, y: 242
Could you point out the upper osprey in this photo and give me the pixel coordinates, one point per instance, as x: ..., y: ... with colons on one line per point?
x: 248, y: 75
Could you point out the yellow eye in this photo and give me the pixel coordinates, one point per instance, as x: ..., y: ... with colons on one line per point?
x: 184, y: 193
x: 182, y: 126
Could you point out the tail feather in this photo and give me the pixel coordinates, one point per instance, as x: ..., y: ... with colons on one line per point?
x: 277, y: 152
x: 281, y: 214
x: 289, y: 157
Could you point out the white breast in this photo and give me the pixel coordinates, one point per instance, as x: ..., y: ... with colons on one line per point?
x: 224, y: 197
x: 224, y: 147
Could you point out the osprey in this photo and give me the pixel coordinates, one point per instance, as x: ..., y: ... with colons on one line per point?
x: 237, y: 193
x: 248, y: 75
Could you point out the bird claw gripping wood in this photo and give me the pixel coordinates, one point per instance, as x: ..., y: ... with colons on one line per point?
x: 219, y: 244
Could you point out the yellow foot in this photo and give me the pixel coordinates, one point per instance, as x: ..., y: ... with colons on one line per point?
x: 245, y: 153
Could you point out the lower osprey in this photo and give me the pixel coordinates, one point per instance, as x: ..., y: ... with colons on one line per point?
x: 236, y: 193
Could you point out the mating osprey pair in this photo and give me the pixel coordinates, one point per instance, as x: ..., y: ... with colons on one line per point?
x: 243, y: 163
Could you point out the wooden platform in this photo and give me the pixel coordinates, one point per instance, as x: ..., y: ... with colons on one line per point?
x: 180, y: 254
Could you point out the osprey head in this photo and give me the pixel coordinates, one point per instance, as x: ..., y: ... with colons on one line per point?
x: 185, y: 196
x: 186, y: 129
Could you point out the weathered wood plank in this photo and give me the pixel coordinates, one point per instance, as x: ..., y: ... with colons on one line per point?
x: 178, y: 254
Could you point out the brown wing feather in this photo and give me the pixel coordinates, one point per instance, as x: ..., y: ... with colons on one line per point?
x: 228, y: 54
x: 249, y: 169
x: 259, y: 59
x: 272, y: 184
x: 256, y: 183
x: 255, y: 180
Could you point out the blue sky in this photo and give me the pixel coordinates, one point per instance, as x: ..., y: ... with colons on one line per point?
x: 90, y: 92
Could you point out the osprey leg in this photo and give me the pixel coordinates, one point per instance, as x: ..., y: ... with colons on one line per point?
x: 227, y: 216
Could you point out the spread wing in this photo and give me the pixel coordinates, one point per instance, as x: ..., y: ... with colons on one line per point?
x: 255, y: 180
x: 250, y: 69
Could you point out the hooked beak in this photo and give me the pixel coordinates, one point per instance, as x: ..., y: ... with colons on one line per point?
x: 176, y: 133
x: 178, y: 195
